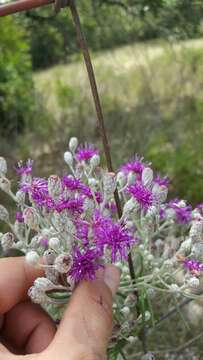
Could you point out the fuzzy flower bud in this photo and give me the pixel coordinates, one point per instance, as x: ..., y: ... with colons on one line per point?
x: 196, y: 229
x: 49, y: 257
x: 95, y: 161
x: 147, y: 177
x: 54, y: 243
x: 131, y: 178
x: 130, y: 206
x: 3, y: 166
x: 68, y: 158
x: 20, y: 197
x: 109, y: 184
x: 186, y: 246
x: 35, y: 242
x: 54, y: 186
x: 63, y: 263
x: 37, y: 296
x: 125, y: 311
x: 7, y: 241
x: 4, y: 215
x: 5, y: 184
x: 121, y: 179
x: 174, y: 288
x: 193, y: 282
x: 148, y: 356
x: 160, y: 192
x: 92, y: 182
x: 43, y: 284
x: 73, y: 144
x: 31, y: 218
x: 32, y: 258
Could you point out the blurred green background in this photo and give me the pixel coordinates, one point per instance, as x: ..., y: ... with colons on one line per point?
x: 148, y: 59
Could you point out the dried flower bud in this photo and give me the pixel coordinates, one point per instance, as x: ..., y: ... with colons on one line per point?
x: 4, y: 215
x: 54, y: 185
x: 37, y: 296
x: 73, y: 144
x: 95, y: 161
x: 147, y: 177
x: 31, y: 218
x: 43, y: 284
x: 54, y: 243
x: 49, y: 257
x: 5, y: 184
x: 7, y: 241
x: 3, y: 166
x: 32, y: 258
x: 63, y: 263
x: 68, y: 158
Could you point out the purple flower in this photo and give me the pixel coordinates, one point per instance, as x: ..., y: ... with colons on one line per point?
x: 143, y: 195
x: 113, y: 235
x: 86, y: 152
x: 162, y: 181
x: 44, y: 242
x: 136, y: 166
x: 24, y: 170
x: 82, y: 227
x: 19, y: 217
x: 71, y: 183
x: 75, y: 206
x: 38, y: 190
x: 183, y: 213
x: 85, y: 264
x: 193, y: 265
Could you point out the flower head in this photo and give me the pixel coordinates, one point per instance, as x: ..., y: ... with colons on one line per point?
x: 162, y: 181
x: 85, y: 264
x: 75, y: 206
x: 193, y: 265
x: 19, y: 217
x: 143, y: 195
x: 182, y: 210
x: 136, y: 165
x: 24, y: 169
x: 86, y: 152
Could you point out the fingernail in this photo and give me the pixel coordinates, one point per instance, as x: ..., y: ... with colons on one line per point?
x: 112, y: 278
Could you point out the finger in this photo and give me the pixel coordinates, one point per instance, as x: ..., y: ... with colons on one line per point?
x: 87, y: 323
x: 16, y: 277
x: 28, y: 328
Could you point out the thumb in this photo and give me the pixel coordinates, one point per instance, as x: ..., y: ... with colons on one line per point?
x: 87, y: 323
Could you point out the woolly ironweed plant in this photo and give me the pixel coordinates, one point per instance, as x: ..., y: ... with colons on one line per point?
x: 68, y: 226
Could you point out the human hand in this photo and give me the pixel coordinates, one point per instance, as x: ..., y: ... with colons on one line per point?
x: 25, y: 328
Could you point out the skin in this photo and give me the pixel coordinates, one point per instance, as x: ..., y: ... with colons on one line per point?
x: 28, y: 333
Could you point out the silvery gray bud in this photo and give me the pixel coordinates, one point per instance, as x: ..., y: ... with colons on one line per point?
x: 95, y: 161
x: 32, y: 258
x: 185, y: 247
x: 35, y: 242
x: 131, y: 178
x: 147, y: 177
x: 4, y: 215
x: 130, y: 206
x: 37, y: 296
x: 3, y: 166
x: 151, y: 212
x: 54, y: 243
x: 92, y: 182
x: 20, y: 197
x: 174, y: 288
x: 109, y: 182
x: 49, y: 257
x: 5, y: 184
x: 63, y: 263
x: 31, y: 218
x: 148, y: 356
x: 73, y: 144
x: 68, y: 158
x: 197, y: 251
x: 193, y: 282
x: 125, y: 311
x: 7, y: 241
x: 43, y: 284
x: 196, y: 229
x: 54, y: 186
x: 121, y: 179
x: 160, y: 193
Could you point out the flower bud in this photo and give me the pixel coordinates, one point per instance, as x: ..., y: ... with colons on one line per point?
x: 73, y: 144
x: 131, y: 178
x: 95, y: 161
x: 43, y: 284
x: 125, y: 311
x: 4, y: 215
x: 92, y: 182
x: 174, y: 288
x: 32, y: 258
x: 5, y: 184
x: 37, y: 296
x: 132, y: 339
x: 35, y: 242
x: 147, y: 315
x: 54, y: 185
x: 121, y: 179
x: 148, y: 356
x: 63, y: 263
x: 196, y: 229
x: 7, y: 241
x: 109, y: 184
x: 31, y: 218
x: 193, y: 282
x: 147, y: 177
x: 130, y: 206
x: 68, y: 158
x: 20, y: 197
x: 185, y: 247
x: 49, y: 257
x: 54, y: 243
x: 3, y: 166
x: 160, y: 193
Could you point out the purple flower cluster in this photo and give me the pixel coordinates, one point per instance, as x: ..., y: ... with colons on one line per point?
x: 193, y: 265
x: 24, y: 169
x: 183, y: 213
x: 85, y: 264
x: 143, y: 195
x: 136, y: 166
x: 86, y: 152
